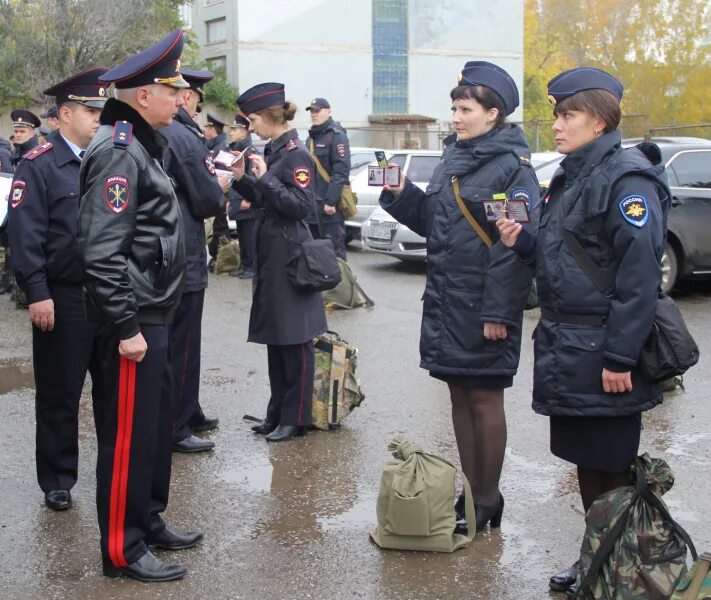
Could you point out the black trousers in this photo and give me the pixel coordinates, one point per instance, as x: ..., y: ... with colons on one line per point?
x: 134, y: 429
x: 61, y: 358
x: 220, y: 228
x: 247, y: 233
x: 185, y: 339
x: 291, y: 378
x: 336, y: 232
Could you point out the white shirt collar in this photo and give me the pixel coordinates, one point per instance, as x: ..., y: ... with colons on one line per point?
x: 73, y: 147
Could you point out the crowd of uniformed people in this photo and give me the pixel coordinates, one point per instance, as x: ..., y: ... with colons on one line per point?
x: 106, y: 239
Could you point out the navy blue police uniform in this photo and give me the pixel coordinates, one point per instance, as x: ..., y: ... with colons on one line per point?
x: 190, y: 165
x: 220, y: 227
x: 133, y: 254
x: 615, y: 202
x: 283, y: 317
x: 328, y: 143
x: 471, y: 282
x: 5, y: 156
x: 246, y: 218
x: 44, y: 206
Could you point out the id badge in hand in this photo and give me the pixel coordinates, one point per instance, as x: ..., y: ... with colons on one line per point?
x: 227, y: 159
x: 500, y: 207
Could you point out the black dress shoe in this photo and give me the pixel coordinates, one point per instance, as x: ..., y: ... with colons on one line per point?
x: 147, y: 568
x: 58, y: 499
x: 172, y: 540
x: 236, y: 272
x: 489, y: 515
x: 264, y: 426
x: 285, y: 432
x: 211, y: 265
x: 560, y: 582
x: 206, y: 425
x: 572, y: 591
x: 246, y: 274
x: 192, y: 444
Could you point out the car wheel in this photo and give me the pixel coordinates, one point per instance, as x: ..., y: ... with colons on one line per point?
x: 670, y: 268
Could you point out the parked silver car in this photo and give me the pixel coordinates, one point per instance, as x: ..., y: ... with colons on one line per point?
x: 418, y: 165
x: 382, y: 233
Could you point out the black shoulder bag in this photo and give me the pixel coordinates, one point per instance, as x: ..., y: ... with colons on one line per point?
x: 312, y: 265
x: 669, y: 350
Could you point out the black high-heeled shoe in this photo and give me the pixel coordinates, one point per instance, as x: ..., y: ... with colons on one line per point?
x: 489, y: 515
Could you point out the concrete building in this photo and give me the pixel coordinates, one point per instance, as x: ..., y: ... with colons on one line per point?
x: 370, y: 58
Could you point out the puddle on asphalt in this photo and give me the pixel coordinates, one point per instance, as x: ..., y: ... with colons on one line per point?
x: 16, y: 374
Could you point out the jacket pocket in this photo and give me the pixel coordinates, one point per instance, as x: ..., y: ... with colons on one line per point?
x: 462, y: 321
x: 164, y: 262
x: 580, y: 358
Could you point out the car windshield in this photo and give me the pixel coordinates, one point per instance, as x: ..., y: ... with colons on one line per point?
x: 546, y: 170
x: 359, y: 160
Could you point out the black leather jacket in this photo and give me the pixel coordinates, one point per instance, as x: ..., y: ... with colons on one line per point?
x: 130, y: 226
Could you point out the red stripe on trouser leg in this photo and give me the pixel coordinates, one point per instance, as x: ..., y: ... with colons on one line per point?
x: 122, y: 448
x: 303, y: 384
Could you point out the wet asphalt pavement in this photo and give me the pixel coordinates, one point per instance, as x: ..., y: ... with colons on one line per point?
x: 291, y: 520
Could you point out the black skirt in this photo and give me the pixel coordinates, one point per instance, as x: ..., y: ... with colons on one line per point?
x: 603, y: 443
x: 475, y: 382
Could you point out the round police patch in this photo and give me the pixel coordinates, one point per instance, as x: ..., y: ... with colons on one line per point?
x: 341, y: 150
x: 17, y: 193
x: 520, y: 194
x: 210, y: 163
x: 634, y: 209
x: 116, y: 193
x: 302, y: 176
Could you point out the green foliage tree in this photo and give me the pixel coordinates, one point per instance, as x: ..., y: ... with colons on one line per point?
x: 655, y: 47
x: 45, y: 41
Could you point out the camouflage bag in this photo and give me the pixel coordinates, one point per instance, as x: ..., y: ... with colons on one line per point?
x: 697, y: 584
x: 633, y: 549
x: 227, y: 258
x: 336, y: 390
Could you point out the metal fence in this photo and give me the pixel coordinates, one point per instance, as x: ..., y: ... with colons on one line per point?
x: 539, y: 133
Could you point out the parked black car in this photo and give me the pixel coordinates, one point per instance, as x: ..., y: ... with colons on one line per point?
x: 688, y: 250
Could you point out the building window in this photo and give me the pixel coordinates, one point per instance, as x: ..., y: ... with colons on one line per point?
x: 216, y: 31
x: 185, y: 11
x: 218, y: 64
x: 389, y: 56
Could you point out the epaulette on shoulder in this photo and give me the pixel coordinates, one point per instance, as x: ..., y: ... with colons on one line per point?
x: 292, y: 144
x: 37, y: 151
x: 123, y: 133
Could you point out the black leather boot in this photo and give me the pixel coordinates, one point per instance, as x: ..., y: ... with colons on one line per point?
x: 173, y: 540
x: 286, y: 432
x: 561, y: 582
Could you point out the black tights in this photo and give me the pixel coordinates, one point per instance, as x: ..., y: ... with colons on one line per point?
x: 480, y: 428
x: 592, y: 483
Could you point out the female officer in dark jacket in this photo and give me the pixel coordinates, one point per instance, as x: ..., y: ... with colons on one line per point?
x: 282, y: 316
x: 611, y: 204
x: 476, y: 288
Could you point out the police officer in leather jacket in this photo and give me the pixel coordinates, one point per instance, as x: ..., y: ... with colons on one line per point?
x: 133, y: 253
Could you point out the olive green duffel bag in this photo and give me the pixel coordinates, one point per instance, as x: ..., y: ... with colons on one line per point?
x: 416, y: 502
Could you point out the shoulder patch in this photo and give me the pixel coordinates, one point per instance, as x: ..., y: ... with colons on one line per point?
x: 302, y: 176
x: 116, y: 193
x: 37, y: 151
x: 520, y: 194
x: 210, y: 163
x: 123, y: 133
x: 17, y: 193
x: 634, y: 209
x: 292, y: 145
x: 341, y: 150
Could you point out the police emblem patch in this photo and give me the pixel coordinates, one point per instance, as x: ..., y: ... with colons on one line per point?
x: 634, y: 209
x: 210, y: 163
x: 291, y: 145
x: 116, y: 193
x: 17, y: 195
x: 520, y: 194
x: 302, y: 177
x: 341, y: 149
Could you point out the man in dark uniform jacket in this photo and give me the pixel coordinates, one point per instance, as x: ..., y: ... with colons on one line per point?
x: 241, y: 209
x: 133, y: 254
x: 44, y: 205
x: 5, y: 156
x: 216, y: 141
x: 190, y: 165
x: 51, y: 115
x: 24, y: 140
x: 328, y: 144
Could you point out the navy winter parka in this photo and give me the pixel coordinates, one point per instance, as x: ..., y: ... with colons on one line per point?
x: 469, y: 284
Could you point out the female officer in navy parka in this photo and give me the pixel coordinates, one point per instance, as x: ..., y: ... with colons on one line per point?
x: 612, y: 204
x: 476, y: 287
